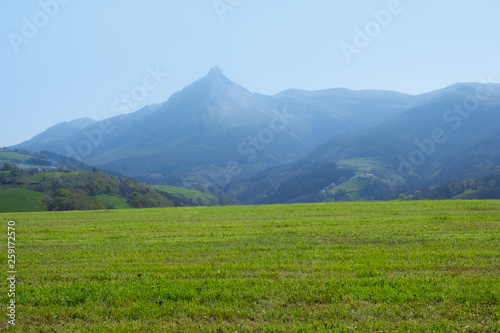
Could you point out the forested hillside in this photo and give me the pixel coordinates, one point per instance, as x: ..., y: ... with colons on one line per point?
x: 39, y: 182
x: 486, y: 187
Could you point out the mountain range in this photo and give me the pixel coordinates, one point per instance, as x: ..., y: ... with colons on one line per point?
x: 217, y: 135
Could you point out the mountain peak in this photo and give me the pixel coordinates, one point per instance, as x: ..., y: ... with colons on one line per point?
x: 216, y: 81
x: 215, y: 71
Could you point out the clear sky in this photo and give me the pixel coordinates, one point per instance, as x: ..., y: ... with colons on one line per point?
x: 67, y: 59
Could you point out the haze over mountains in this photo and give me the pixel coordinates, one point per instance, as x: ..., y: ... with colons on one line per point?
x: 454, y: 136
x: 217, y: 135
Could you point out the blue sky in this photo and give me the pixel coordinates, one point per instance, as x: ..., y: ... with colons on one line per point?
x: 66, y: 59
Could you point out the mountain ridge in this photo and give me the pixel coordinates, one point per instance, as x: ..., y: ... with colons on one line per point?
x: 215, y: 125
x: 454, y: 137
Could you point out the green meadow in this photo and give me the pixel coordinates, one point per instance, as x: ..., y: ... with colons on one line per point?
x: 19, y: 200
x: 196, y: 196
x: 412, y: 266
x: 113, y: 201
x: 14, y: 156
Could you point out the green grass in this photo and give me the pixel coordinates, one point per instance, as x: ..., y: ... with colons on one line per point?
x: 14, y: 156
x: 465, y: 193
x: 196, y: 196
x: 363, y: 164
x: 18, y: 200
x: 59, y: 174
x: 27, y: 178
x: 332, y: 267
x: 352, y: 188
x: 31, y: 166
x: 116, y: 202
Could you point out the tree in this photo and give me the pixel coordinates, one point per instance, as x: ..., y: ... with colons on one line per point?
x: 339, y: 194
x: 7, y: 166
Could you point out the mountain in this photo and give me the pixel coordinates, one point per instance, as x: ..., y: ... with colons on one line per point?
x: 198, y: 129
x: 450, y: 136
x: 453, y: 136
x: 57, y: 133
x: 215, y: 131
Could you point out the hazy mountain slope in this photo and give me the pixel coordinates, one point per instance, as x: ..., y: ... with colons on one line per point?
x: 194, y: 136
x: 328, y: 113
x: 57, y: 133
x: 439, y: 139
x: 205, y: 124
x: 449, y: 138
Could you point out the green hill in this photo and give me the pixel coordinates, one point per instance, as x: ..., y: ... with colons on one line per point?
x: 13, y: 156
x: 114, y: 201
x: 197, y: 197
x: 19, y: 200
x: 486, y: 187
x: 56, y: 183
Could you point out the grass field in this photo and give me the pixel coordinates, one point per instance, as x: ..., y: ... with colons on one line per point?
x: 116, y: 202
x: 196, y: 196
x: 331, y: 267
x: 363, y: 164
x: 14, y: 156
x: 27, y: 178
x: 18, y: 200
x: 352, y: 187
x: 59, y: 174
